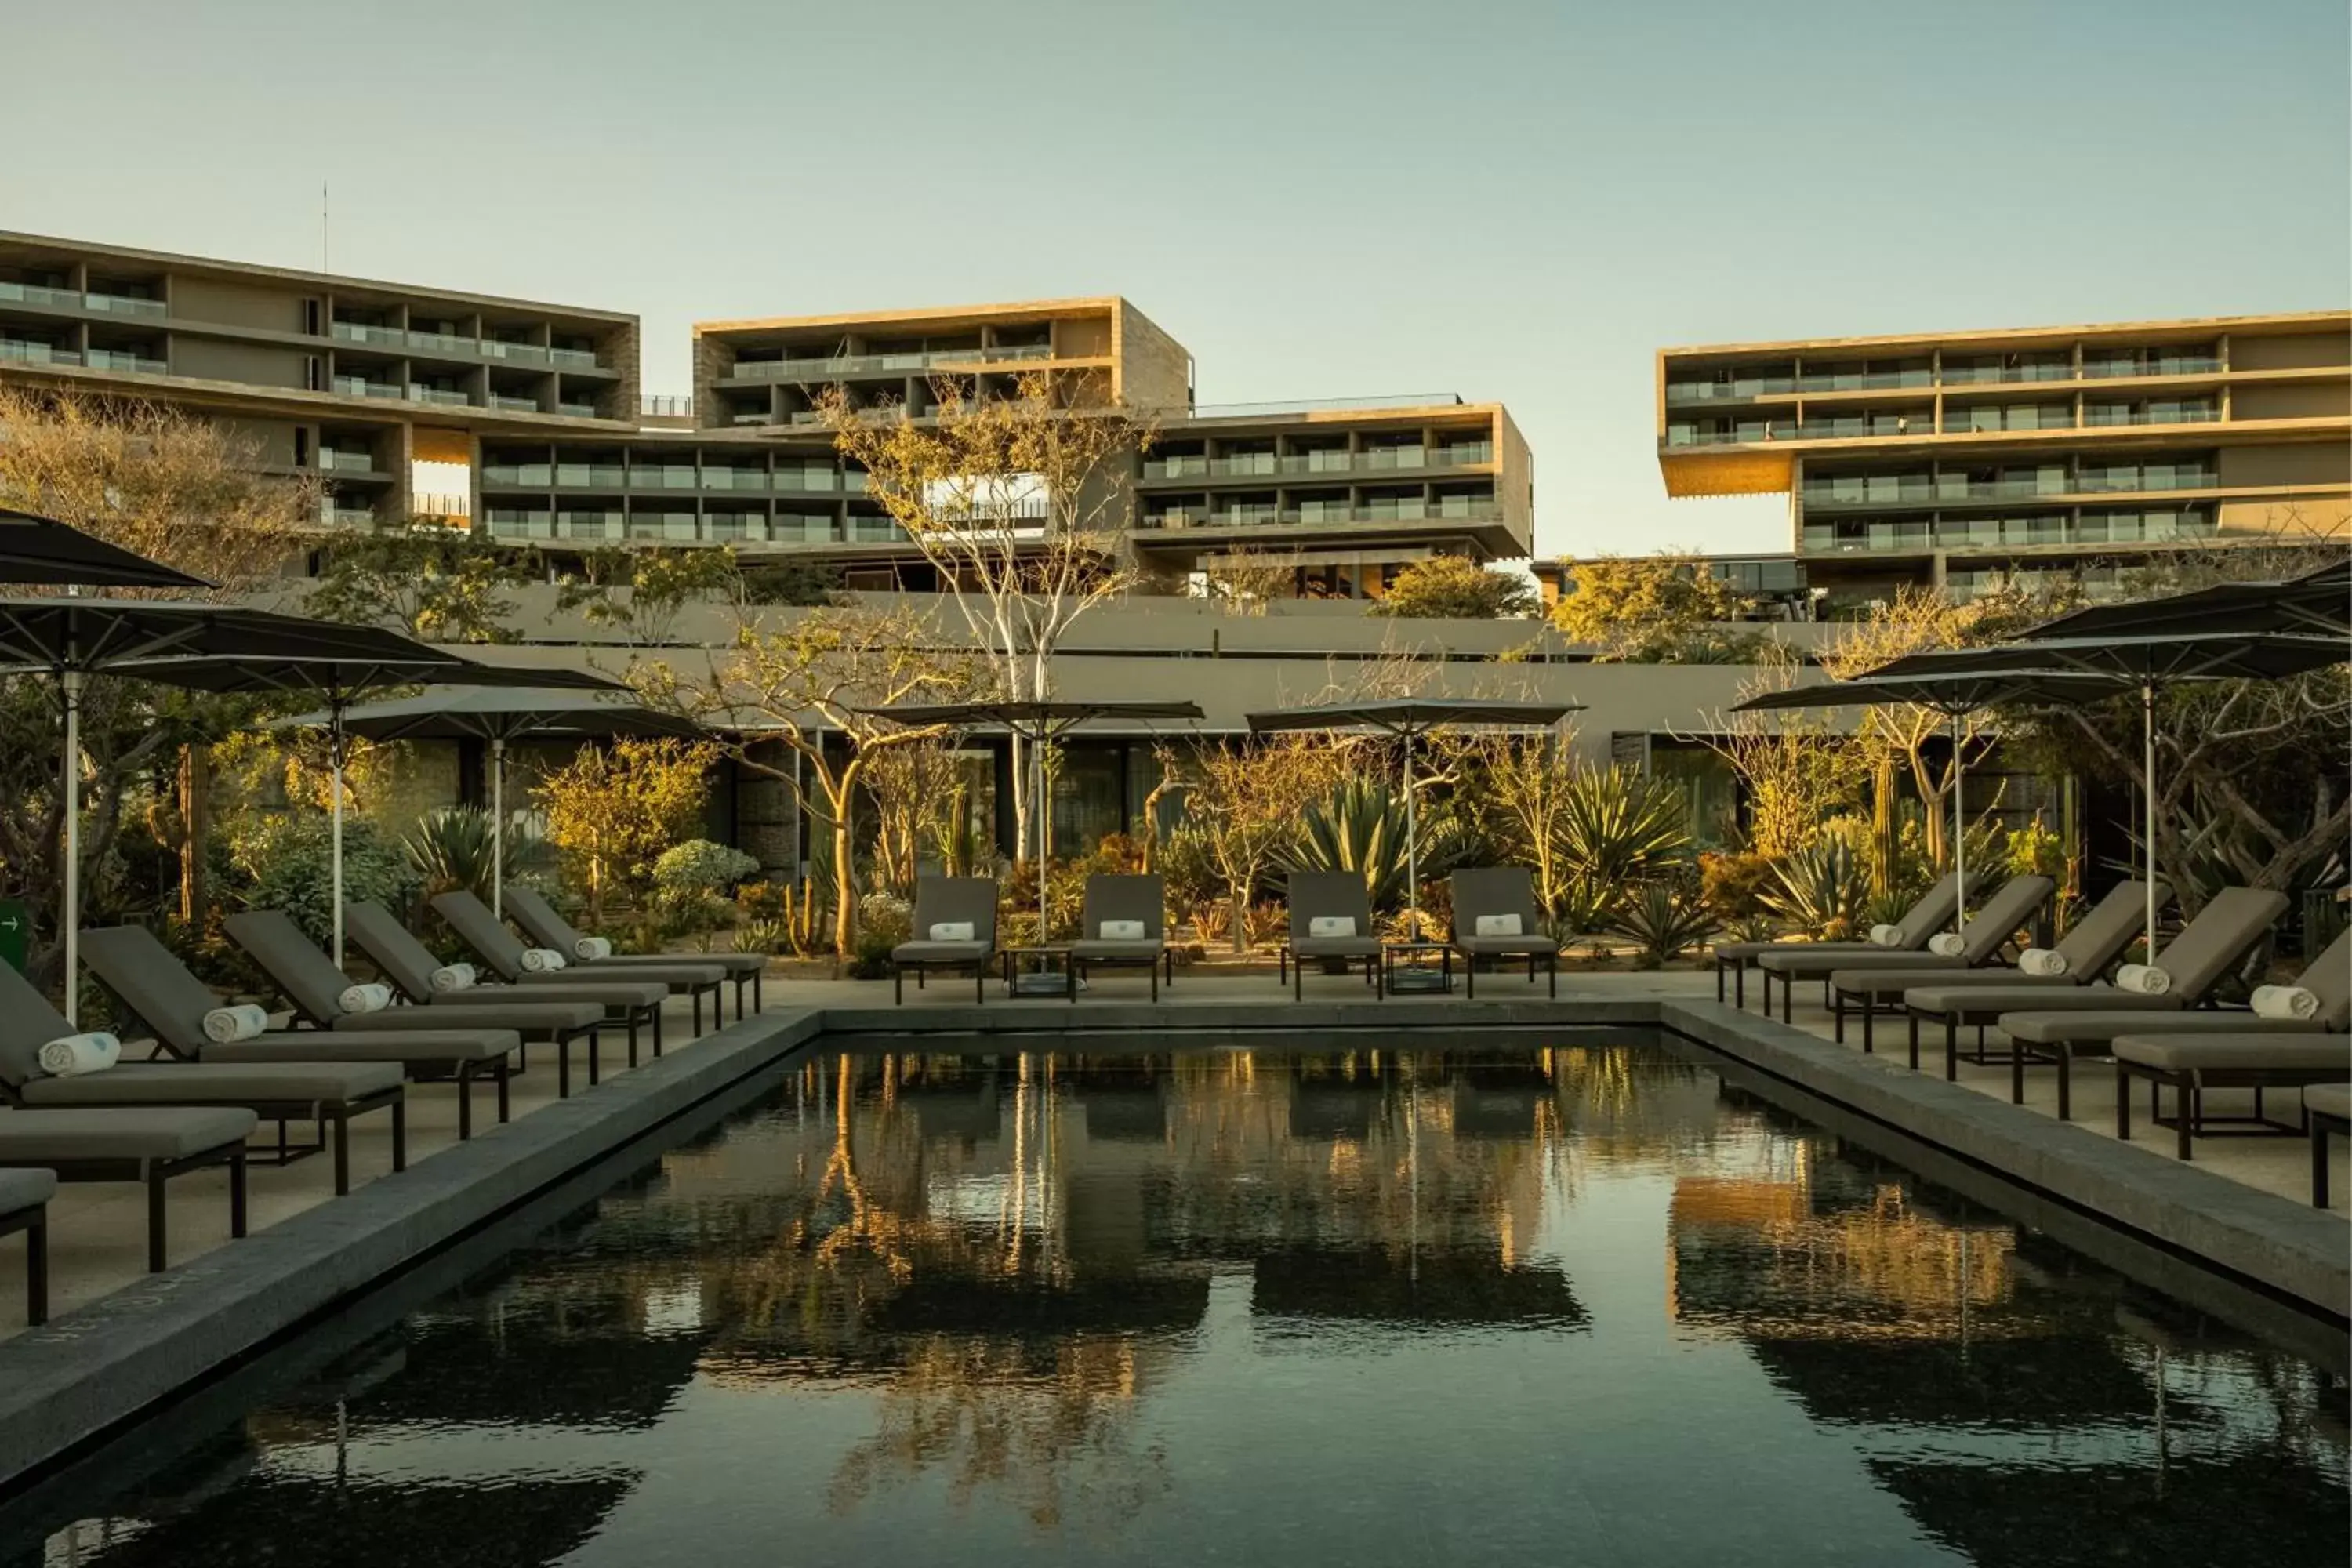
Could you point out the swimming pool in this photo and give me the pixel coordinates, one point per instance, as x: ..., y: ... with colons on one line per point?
x: 1562, y: 1298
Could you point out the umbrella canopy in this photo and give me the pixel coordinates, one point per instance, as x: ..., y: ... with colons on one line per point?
x: 500, y: 714
x: 2318, y: 602
x: 1955, y: 696
x: 340, y: 677
x: 72, y: 640
x: 1406, y: 718
x: 44, y: 551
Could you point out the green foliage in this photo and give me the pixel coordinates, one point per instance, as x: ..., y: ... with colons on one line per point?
x: 428, y: 579
x: 1454, y: 587
x: 699, y: 866
x: 639, y: 593
x: 1584, y: 908
x: 2033, y: 850
x: 1822, y: 891
x: 1621, y: 826
x: 1657, y: 609
x: 1664, y: 919
x: 451, y: 849
x: 1733, y: 883
x: 1360, y: 826
x: 288, y: 862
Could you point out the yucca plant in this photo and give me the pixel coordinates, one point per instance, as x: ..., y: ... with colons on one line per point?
x: 1585, y: 907
x: 1663, y: 920
x: 1822, y: 891
x: 1360, y: 826
x: 451, y: 848
x: 1618, y: 826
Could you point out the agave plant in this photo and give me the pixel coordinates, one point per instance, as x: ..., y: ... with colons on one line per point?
x: 1360, y: 826
x: 451, y: 848
x: 1822, y: 891
x: 1664, y: 919
x: 1618, y: 826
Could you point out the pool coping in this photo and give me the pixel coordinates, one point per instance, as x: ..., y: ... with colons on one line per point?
x: 103, y: 1364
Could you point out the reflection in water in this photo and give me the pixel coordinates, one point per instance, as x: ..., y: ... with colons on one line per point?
x: 1366, y: 1307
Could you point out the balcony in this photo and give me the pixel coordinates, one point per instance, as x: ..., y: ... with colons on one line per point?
x: 2153, y: 414
x: 334, y: 460
x: 2115, y: 366
x: 124, y: 360
x: 674, y: 477
x: 374, y: 336
x: 453, y: 344
x: 848, y: 365
x: 2061, y: 368
x: 40, y: 294
x: 1378, y: 460
x: 720, y: 478
x: 674, y: 526
x: 592, y: 525
x: 508, y: 405
x: 591, y: 477
x: 125, y: 305
x: 438, y: 396
x: 577, y: 410
x: 2087, y: 529
x: 37, y: 353
x: 803, y: 528
x: 1311, y: 514
x: 360, y: 386
x: 518, y: 476
x: 1735, y: 390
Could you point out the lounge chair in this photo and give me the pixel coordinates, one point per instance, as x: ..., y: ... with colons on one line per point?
x: 2189, y: 1064
x: 149, y: 1145
x: 275, y: 1089
x: 2328, y: 1107
x: 503, y: 951
x: 1329, y: 896
x: 315, y: 986
x: 25, y: 1211
x: 1141, y: 899
x: 946, y: 901
x: 408, y: 967
x: 539, y: 921
x: 2091, y: 947
x: 2206, y: 948
x: 1922, y: 920
x: 1500, y: 890
x: 1871, y: 977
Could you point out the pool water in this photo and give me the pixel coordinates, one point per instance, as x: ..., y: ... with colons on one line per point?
x: 1568, y: 1300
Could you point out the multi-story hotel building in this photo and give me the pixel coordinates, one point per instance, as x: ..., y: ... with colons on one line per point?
x: 1967, y: 458
x: 528, y: 419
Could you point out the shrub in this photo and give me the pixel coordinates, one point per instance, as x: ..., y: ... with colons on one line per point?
x: 1733, y: 883
x: 1663, y: 919
x: 1822, y: 891
x: 1360, y: 826
x: 699, y: 866
x: 451, y: 849
x: 289, y: 860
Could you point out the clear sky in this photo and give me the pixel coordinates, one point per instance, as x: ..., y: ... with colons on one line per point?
x: 1515, y: 201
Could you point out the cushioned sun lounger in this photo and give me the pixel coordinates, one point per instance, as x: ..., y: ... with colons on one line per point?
x: 2090, y: 947
x: 171, y: 1002
x: 1329, y: 896
x: 315, y: 986
x: 1142, y: 900
x: 1500, y: 890
x: 24, y: 1198
x: 539, y: 921
x: 2219, y: 939
x: 2189, y: 1064
x: 1982, y: 936
x: 946, y: 901
x: 280, y: 1091
x: 1922, y: 920
x: 2059, y: 1036
x: 408, y: 967
x: 149, y: 1145
x: 503, y: 951
x: 2328, y: 1107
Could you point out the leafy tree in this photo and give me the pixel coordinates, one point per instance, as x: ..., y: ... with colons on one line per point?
x: 640, y: 593
x: 434, y: 582
x: 1249, y: 798
x: 1454, y: 587
x: 613, y: 812
x: 1667, y: 608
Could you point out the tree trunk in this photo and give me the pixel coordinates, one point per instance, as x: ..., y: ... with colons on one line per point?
x: 842, y: 797
x: 196, y: 824
x: 1241, y: 916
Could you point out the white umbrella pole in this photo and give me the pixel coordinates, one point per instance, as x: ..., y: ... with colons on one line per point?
x: 499, y: 825
x: 1412, y: 851
x: 1037, y: 808
x: 335, y: 877
x: 1959, y: 827
x: 2148, y: 791
x: 70, y: 682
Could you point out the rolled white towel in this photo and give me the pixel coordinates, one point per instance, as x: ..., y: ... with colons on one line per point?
x: 951, y: 931
x: 73, y: 1055
x: 540, y: 960
x: 2046, y: 962
x: 2285, y: 1001
x: 453, y: 977
x: 242, y: 1022
x: 588, y: 949
x: 1330, y: 925
x: 373, y: 997
x: 1947, y: 944
x: 2144, y: 978
x: 1888, y: 936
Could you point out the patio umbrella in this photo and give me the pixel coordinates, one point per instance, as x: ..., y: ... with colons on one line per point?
x: 40, y: 549
x: 1040, y: 723
x: 1953, y: 696
x: 498, y: 715
x: 71, y: 640
x: 340, y: 678
x: 2148, y: 661
x: 1407, y: 718
x: 2316, y: 603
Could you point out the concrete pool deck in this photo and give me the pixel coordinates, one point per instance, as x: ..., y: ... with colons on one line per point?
x: 121, y: 1344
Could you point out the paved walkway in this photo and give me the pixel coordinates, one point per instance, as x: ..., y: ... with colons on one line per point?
x: 98, y: 1231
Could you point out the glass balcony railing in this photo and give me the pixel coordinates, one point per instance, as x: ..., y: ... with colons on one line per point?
x: 514, y: 353
x: 803, y: 528
x: 1316, y: 514
x: 443, y: 342
x: 874, y: 531
x: 2154, y: 414
x: 1176, y: 467
x: 374, y: 336
x: 673, y: 478
x: 590, y: 524
x: 439, y: 396
x: 40, y: 294
x: 1243, y: 465
x: 591, y: 477
x: 359, y: 386
x: 1730, y: 391
x: 505, y: 403
x: 1975, y: 534
x: 881, y: 364
x: 37, y: 353
x: 520, y: 475
x: 1997, y: 418
x: 735, y: 479
x: 125, y: 304
x: 334, y: 462
x: 124, y: 360
x: 2095, y: 367
x: 806, y: 479
x: 575, y: 359
x: 1983, y: 374
x: 577, y: 410
x: 1379, y: 460
x: 2113, y: 366
x: 1864, y: 380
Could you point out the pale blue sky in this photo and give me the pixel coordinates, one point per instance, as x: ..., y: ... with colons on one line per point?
x: 1519, y: 201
